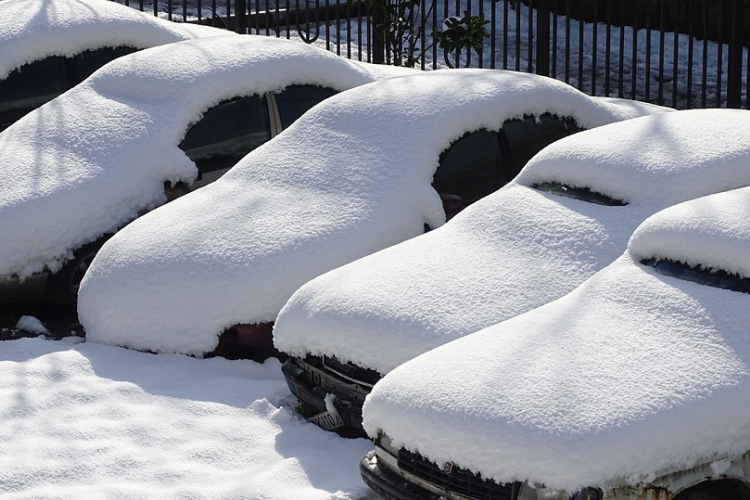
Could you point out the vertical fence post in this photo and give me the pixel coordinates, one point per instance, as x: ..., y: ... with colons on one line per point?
x: 240, y: 16
x: 734, y: 62
x: 376, y: 18
x: 542, y: 38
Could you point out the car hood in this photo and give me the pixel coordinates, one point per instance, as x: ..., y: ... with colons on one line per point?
x: 350, y: 177
x: 518, y: 248
x: 631, y: 375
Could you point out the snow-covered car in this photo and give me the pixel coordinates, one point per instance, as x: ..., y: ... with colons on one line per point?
x: 48, y: 47
x: 145, y: 128
x: 352, y: 176
x: 634, y: 386
x: 567, y: 215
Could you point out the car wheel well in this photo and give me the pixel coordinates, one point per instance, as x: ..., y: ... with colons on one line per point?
x: 722, y: 489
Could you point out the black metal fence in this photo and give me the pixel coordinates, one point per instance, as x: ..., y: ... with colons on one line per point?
x: 680, y: 53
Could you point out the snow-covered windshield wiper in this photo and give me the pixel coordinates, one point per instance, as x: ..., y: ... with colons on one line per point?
x: 579, y: 193
x: 709, y: 277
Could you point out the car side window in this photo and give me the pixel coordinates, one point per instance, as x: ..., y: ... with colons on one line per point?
x: 84, y: 64
x: 472, y: 167
x: 529, y: 135
x: 28, y: 87
x: 295, y: 100
x: 227, y: 132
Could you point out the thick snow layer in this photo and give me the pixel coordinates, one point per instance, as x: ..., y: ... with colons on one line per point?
x: 350, y: 177
x: 31, y: 29
x: 90, y: 421
x: 94, y: 158
x: 631, y: 375
x: 518, y: 248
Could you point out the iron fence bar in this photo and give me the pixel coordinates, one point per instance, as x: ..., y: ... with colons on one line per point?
x: 542, y: 38
x: 530, y: 35
x: 662, y: 38
x: 567, y: 41
x: 184, y: 10
x: 288, y: 21
x: 518, y: 37
x: 359, y: 32
x: 493, y: 33
x: 553, y: 69
x: 691, y: 57
x: 634, y: 64
x: 505, y: 34
x: 594, y: 32
x: 434, y: 45
x: 647, y: 90
x: 676, y: 54
x: 580, y: 55
x: 734, y: 62
x: 719, y: 58
x: 240, y: 16
x: 458, y: 51
x: 480, y: 53
x: 704, y: 77
x: 621, y: 65
x: 608, y: 49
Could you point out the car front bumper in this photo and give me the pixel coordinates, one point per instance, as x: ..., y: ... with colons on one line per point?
x: 314, y: 395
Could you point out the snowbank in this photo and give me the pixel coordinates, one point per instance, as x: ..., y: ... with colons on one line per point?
x: 518, y: 248
x: 349, y: 178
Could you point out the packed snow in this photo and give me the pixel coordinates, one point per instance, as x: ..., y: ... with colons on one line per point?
x: 97, y: 156
x: 86, y: 421
x: 631, y: 375
x: 350, y: 177
x: 31, y: 30
x: 518, y: 248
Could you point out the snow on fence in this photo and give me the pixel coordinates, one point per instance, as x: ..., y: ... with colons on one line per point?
x: 684, y: 54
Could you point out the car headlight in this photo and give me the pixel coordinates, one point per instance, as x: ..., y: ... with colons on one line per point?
x: 384, y: 441
x: 529, y: 492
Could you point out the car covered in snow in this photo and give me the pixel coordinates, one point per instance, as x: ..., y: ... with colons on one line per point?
x: 567, y: 215
x: 144, y: 129
x: 48, y: 47
x: 634, y: 386
x: 352, y: 176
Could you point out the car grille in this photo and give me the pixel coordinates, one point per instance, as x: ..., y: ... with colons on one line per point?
x: 458, y: 480
x: 351, y: 371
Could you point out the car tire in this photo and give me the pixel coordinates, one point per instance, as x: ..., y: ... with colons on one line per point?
x: 62, y: 287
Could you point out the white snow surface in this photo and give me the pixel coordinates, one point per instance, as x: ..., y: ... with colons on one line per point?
x: 517, y: 249
x: 87, y: 421
x: 350, y: 177
x: 95, y: 157
x: 31, y: 29
x: 31, y: 324
x: 632, y: 375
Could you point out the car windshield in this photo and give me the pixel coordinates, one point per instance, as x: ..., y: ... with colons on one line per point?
x: 579, y: 193
x: 700, y: 275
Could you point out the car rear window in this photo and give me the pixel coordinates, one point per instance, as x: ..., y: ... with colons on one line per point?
x: 703, y: 276
x: 578, y: 193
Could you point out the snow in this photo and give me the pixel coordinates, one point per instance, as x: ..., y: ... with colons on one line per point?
x: 108, y: 145
x: 31, y: 30
x: 633, y: 373
x: 518, y: 248
x: 89, y: 421
x: 31, y: 324
x: 350, y: 177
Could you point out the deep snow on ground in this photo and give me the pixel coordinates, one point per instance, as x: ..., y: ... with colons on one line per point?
x: 89, y: 421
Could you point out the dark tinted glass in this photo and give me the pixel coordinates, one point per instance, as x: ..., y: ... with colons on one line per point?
x: 295, y: 100
x: 227, y: 132
x: 30, y: 86
x: 530, y: 135
x: 81, y: 66
x: 714, y: 278
x: 579, y: 193
x: 472, y: 167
